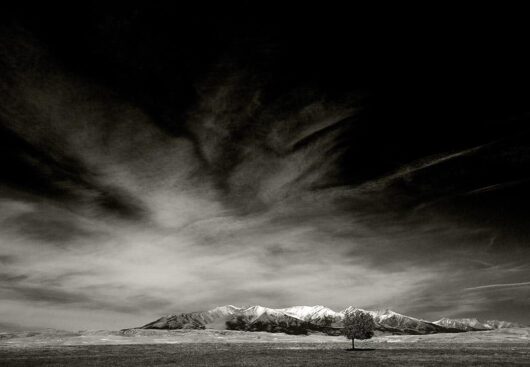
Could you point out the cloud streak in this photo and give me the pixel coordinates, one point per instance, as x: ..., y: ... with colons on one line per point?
x: 509, y: 285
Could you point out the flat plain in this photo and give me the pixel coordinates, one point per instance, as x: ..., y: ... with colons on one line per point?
x: 210, y: 348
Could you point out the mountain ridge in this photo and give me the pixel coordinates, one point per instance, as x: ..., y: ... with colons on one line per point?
x: 474, y: 324
x: 318, y: 318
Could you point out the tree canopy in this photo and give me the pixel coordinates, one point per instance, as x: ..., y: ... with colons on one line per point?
x: 358, y: 325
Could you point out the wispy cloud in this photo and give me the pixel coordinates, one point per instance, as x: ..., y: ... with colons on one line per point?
x: 507, y: 285
x: 411, y: 168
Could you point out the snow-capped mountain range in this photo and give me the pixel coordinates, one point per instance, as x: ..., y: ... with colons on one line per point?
x: 474, y: 324
x: 304, y: 319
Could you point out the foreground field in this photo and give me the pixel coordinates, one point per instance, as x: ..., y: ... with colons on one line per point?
x: 139, y: 336
x: 509, y: 347
x: 267, y: 354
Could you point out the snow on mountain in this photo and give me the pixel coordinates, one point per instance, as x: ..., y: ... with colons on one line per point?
x: 222, y: 311
x: 497, y: 324
x: 301, y: 319
x: 473, y: 324
x: 213, y: 318
x: 463, y: 324
x: 275, y: 320
x: 252, y: 312
x: 309, y: 317
x: 318, y: 315
x: 217, y: 318
x: 390, y: 321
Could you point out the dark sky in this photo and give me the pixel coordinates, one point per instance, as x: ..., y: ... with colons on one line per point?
x: 157, y: 159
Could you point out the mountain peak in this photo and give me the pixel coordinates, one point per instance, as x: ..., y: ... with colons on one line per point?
x: 316, y: 314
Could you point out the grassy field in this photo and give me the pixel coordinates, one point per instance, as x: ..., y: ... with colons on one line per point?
x: 269, y: 354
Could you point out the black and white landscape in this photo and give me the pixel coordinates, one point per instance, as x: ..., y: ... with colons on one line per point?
x: 169, y: 159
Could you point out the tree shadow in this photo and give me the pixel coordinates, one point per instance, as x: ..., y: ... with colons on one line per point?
x: 359, y: 349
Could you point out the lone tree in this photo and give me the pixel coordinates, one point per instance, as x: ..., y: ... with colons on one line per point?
x: 358, y: 325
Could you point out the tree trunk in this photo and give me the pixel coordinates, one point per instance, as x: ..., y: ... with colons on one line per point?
x: 352, y: 343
